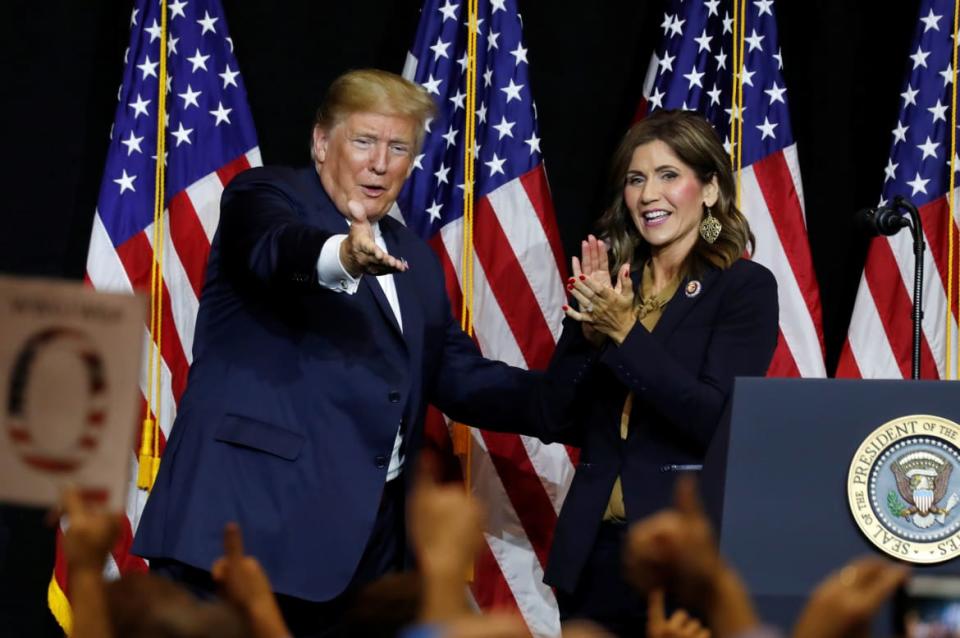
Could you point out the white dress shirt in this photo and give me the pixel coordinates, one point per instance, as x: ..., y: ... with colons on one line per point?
x: 332, y: 275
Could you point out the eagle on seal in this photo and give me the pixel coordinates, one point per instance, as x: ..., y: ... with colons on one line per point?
x: 922, y: 483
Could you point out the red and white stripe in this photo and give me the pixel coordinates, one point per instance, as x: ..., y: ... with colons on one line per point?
x: 189, y: 224
x: 518, y: 295
x: 772, y: 201
x: 880, y: 338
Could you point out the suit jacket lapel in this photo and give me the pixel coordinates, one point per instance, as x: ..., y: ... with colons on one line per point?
x: 370, y: 283
x: 371, y: 286
x: 407, y: 294
x: 688, y: 294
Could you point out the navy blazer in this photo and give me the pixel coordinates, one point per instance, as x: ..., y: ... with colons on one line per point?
x: 682, y: 375
x: 296, y: 392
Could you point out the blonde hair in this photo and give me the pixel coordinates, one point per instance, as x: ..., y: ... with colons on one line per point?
x: 694, y: 141
x: 374, y: 91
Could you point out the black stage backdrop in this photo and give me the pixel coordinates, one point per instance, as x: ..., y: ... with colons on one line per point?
x: 61, y: 63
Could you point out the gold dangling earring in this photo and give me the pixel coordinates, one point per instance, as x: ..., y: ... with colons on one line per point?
x: 710, y: 227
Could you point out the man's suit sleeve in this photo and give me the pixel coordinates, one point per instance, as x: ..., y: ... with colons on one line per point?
x: 570, y: 383
x: 742, y: 344
x: 495, y: 396
x: 263, y: 234
x: 478, y: 391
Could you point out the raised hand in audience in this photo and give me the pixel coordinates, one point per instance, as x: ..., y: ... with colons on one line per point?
x: 845, y: 602
x: 244, y: 584
x: 90, y: 534
x: 675, y: 550
x: 444, y: 525
x: 680, y: 624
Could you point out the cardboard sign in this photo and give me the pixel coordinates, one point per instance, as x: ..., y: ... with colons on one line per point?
x: 69, y: 372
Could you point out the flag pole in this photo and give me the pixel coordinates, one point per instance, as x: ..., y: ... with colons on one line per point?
x: 740, y: 27
x: 149, y: 457
x: 735, y: 63
x: 951, y: 208
x: 462, y: 438
x: 461, y: 432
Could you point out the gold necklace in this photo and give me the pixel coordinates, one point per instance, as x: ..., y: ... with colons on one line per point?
x: 653, y: 303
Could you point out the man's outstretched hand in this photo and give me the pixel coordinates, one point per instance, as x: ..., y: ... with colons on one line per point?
x: 360, y: 254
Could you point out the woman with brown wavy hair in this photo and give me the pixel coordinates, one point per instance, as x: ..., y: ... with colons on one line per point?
x: 696, y: 149
x: 667, y: 312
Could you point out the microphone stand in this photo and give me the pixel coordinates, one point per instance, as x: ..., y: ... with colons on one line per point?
x: 916, y: 229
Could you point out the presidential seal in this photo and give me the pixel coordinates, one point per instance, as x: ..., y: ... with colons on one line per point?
x: 903, y: 488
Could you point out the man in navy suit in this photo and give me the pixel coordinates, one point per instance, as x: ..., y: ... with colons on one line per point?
x: 323, y: 331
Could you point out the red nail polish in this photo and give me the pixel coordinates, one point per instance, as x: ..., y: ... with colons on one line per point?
x: 583, y: 277
x: 569, y: 287
x: 566, y: 308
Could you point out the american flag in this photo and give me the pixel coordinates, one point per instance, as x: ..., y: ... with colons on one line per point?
x: 692, y: 69
x: 517, y: 291
x: 210, y: 137
x: 879, y: 340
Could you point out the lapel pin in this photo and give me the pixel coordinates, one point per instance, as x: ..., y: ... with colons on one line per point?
x: 693, y: 288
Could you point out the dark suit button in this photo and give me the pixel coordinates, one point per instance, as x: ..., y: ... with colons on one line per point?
x: 393, y: 396
x: 381, y: 462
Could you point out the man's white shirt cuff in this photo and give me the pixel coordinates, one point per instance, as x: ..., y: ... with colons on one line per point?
x: 330, y: 271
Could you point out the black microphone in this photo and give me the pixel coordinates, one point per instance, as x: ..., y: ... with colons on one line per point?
x: 882, y: 220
